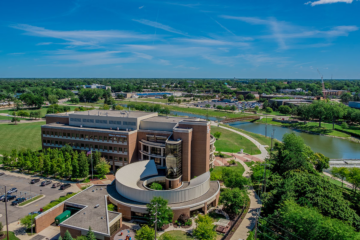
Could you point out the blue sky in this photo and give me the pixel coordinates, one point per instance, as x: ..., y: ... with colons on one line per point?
x: 201, y: 39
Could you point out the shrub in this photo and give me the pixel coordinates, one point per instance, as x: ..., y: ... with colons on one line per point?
x: 156, y: 186
x: 344, y: 125
x: 232, y: 162
x: 188, y: 222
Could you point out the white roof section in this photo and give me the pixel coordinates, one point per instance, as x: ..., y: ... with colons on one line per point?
x: 132, y: 173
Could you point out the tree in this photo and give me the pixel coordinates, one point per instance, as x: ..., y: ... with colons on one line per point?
x: 265, y: 104
x: 171, y: 99
x: 18, y: 104
x: 52, y: 99
x: 67, y: 235
x: 207, y: 105
x: 164, y: 213
x: 320, y: 161
x: 165, y: 96
x: 90, y: 235
x: 240, y: 97
x: 74, y: 100
x: 250, y: 97
x: 6, y: 160
x: 178, y: 101
x: 256, y: 108
x: 83, y: 166
x: 285, y: 109
x: 156, y: 186
x: 28, y: 221
x: 217, y: 135
x: 75, y: 165
x: 346, y: 97
x: 2, y: 233
x: 219, y: 107
x: 205, y: 229
x: 233, y: 179
x: 233, y: 199
x: 145, y: 233
x: 119, y: 107
x: 354, y: 177
x: 102, y: 168
x: 268, y: 110
x: 340, y: 172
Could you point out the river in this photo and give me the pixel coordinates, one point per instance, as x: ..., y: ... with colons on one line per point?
x: 333, y: 148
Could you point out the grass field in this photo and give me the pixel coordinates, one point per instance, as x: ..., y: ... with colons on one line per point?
x: 11, y: 234
x: 200, y: 111
x: 30, y: 200
x: 216, y: 173
x: 258, y: 137
x: 233, y: 142
x: 178, y: 235
x: 21, y: 136
x: 43, y: 110
x: 160, y: 100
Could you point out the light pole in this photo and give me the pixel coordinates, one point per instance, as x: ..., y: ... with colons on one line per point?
x: 156, y: 220
x: 7, y: 224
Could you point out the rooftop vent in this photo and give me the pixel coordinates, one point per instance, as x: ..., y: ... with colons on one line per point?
x: 93, y: 190
x: 97, y: 205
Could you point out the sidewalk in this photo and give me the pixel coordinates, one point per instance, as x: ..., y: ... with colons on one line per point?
x: 242, y: 232
x: 264, y: 152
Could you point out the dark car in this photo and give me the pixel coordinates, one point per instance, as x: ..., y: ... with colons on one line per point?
x: 55, y: 185
x: 9, y: 197
x: 65, y: 186
x: 44, y: 183
x: 68, y: 193
x: 12, y: 190
x: 17, y: 201
x: 35, y: 180
x: 1, y: 173
x: 33, y: 213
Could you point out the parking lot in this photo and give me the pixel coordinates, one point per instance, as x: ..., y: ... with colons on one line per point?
x: 25, y: 189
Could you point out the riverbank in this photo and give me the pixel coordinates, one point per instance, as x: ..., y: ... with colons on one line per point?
x: 313, y: 128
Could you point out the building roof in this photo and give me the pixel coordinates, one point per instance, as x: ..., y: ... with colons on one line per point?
x: 166, y: 119
x: 114, y: 113
x: 87, y: 129
x: 91, y: 215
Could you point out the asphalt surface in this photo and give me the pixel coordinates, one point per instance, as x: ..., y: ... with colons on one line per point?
x: 23, y: 185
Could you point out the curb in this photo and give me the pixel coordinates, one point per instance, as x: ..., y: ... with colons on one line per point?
x: 32, y: 202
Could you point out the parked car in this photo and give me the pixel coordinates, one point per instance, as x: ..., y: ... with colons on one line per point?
x: 55, y: 185
x: 12, y: 190
x: 44, y: 183
x: 2, y: 197
x: 17, y: 201
x: 65, y: 186
x: 35, y: 180
x: 9, y: 197
x: 1, y: 173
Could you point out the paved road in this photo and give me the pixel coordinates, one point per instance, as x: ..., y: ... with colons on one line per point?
x: 23, y: 186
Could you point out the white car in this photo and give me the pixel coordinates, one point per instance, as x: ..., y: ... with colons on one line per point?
x: 12, y: 190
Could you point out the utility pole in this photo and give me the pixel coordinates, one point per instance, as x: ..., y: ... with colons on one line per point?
x: 7, y: 223
x: 156, y: 220
x: 256, y: 222
x: 266, y: 126
x: 272, y: 137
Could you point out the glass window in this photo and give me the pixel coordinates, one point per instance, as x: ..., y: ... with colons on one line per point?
x: 120, y: 149
x: 115, y: 140
x: 52, y: 133
x: 115, y: 149
x: 105, y: 148
x: 155, y: 150
x: 81, y: 135
x: 110, y: 139
x: 96, y: 146
x: 60, y: 142
x: 110, y: 148
x: 91, y: 146
x: 86, y: 136
x: 100, y: 138
x: 43, y: 132
x: 145, y: 148
x: 52, y: 142
x: 125, y: 149
x: 56, y: 142
x: 105, y: 138
x: 157, y: 161
x: 56, y: 133
x: 110, y: 158
x: 48, y: 141
x: 44, y: 141
x: 125, y: 159
x: 68, y: 134
x: 95, y: 137
x: 120, y: 158
x: 115, y: 159
x: 87, y: 146
x: 64, y: 134
x: 91, y: 137
x: 101, y: 147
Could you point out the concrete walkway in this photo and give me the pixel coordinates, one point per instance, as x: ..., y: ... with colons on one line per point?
x: 264, y: 152
x: 242, y: 232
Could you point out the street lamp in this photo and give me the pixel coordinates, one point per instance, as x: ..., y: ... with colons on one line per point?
x: 156, y: 220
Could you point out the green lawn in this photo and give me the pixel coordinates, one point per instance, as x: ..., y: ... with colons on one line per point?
x: 21, y: 136
x: 178, y: 235
x: 160, y: 100
x: 43, y: 110
x: 216, y: 173
x: 30, y: 200
x: 233, y: 142
x: 11, y: 234
x: 326, y: 128
x: 200, y: 111
x: 336, y: 182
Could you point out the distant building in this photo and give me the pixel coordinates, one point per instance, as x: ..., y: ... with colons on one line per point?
x: 291, y: 90
x: 245, y: 93
x: 93, y: 86
x: 354, y: 105
x: 124, y: 94
x: 335, y: 92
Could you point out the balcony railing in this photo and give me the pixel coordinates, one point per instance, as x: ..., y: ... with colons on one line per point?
x: 151, y: 155
x: 84, y: 139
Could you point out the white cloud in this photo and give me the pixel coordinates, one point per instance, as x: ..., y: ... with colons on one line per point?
x: 141, y: 7
x: 320, y: 2
x: 158, y: 25
x: 44, y: 43
x: 282, y: 31
x: 214, y: 42
x: 84, y: 37
x: 18, y: 53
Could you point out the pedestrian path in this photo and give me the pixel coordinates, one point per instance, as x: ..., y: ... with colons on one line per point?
x: 248, y: 224
x: 264, y: 152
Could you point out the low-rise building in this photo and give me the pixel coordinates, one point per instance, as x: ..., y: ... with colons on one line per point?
x: 94, y: 86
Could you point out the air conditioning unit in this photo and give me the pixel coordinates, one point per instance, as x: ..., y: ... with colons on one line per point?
x: 81, y: 126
